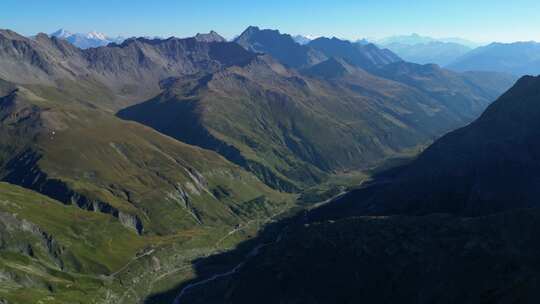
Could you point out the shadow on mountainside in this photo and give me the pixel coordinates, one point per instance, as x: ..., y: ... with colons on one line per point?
x: 309, y: 258
x: 210, y: 271
x: 222, y: 265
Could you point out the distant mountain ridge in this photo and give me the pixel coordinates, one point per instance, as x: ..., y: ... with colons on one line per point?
x: 423, y: 49
x: 86, y: 40
x: 293, y: 54
x: 210, y: 37
x: 441, y: 53
x: 367, y: 56
x: 417, y: 102
x: 486, y: 167
x: 228, y: 133
x: 281, y: 46
x: 414, y: 39
x: 343, y: 99
x: 128, y: 71
x: 302, y: 39
x: 519, y: 58
x: 458, y: 224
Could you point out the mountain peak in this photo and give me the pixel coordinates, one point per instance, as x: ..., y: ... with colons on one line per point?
x: 96, y: 35
x: 300, y: 39
x: 331, y: 68
x: 210, y: 37
x: 517, y: 58
x: 527, y: 82
x: 252, y: 28
x: 363, y: 56
x: 85, y: 40
x: 61, y: 33
x: 9, y: 34
x: 278, y: 45
x: 519, y: 103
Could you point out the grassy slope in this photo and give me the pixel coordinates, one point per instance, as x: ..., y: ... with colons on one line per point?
x: 138, y: 170
x: 300, y: 129
x: 86, y: 247
x: 135, y: 170
x: 91, y: 244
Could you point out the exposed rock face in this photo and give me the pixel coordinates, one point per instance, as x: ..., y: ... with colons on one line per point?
x: 373, y: 115
x: 280, y: 46
x: 9, y: 240
x: 24, y: 171
x: 367, y: 57
x: 210, y: 37
x: 19, y: 123
x: 292, y: 128
x: 132, y: 69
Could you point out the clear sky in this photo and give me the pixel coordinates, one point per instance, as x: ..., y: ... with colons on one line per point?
x: 479, y: 20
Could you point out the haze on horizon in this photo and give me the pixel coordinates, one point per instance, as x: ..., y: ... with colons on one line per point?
x: 481, y: 21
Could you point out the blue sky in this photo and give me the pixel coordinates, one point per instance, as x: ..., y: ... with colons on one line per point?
x: 479, y: 20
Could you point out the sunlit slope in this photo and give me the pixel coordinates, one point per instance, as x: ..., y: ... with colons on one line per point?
x: 46, y: 244
x: 293, y: 129
x: 150, y: 182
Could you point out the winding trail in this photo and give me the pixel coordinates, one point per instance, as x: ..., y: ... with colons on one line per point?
x: 147, y: 253
x: 253, y: 253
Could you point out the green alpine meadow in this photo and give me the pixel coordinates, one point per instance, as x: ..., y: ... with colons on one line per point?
x: 290, y: 152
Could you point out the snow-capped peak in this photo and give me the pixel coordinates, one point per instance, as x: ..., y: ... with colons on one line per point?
x: 96, y: 35
x: 86, y: 40
x: 304, y: 39
x: 61, y: 33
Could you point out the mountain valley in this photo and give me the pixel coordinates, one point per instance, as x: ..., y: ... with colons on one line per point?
x: 125, y: 166
x: 458, y: 224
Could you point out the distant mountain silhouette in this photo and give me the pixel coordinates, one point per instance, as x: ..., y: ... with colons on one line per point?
x: 459, y: 224
x: 280, y: 46
x: 441, y: 53
x: 210, y: 37
x: 416, y: 39
x: 366, y: 56
x: 301, y: 39
x: 491, y: 165
x: 519, y: 58
x: 86, y: 40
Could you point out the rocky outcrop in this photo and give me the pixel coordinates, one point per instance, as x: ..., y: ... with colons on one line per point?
x: 182, y: 198
x: 367, y: 57
x: 132, y: 69
x: 24, y: 171
x: 12, y: 225
x: 210, y: 37
x: 280, y: 46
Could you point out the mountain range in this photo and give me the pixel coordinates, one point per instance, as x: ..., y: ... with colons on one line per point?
x: 300, y: 39
x: 458, y: 224
x: 123, y: 164
x: 454, y: 53
x: 424, y: 49
x: 416, y: 39
x: 441, y: 53
x: 519, y: 58
x: 336, y: 97
x: 86, y: 40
